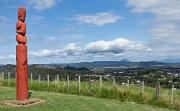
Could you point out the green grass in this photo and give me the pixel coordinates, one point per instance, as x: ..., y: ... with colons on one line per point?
x: 64, y: 102
x: 131, y: 93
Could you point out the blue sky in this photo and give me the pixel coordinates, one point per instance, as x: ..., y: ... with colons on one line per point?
x: 61, y: 31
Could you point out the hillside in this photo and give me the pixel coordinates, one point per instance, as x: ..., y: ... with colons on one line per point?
x: 121, y: 64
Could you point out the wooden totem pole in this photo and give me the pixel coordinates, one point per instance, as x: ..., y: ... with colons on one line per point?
x: 21, y: 57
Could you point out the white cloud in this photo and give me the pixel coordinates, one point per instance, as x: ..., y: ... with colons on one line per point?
x: 43, y: 4
x: 9, y: 57
x: 166, y: 33
x: 98, y: 50
x: 72, y: 46
x: 115, y: 46
x: 72, y: 50
x: 98, y: 18
x: 44, y: 53
x: 95, y: 49
x: 166, y: 22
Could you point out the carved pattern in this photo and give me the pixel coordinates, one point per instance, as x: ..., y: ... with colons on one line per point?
x: 21, y: 26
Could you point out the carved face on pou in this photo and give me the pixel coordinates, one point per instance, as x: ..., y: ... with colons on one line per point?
x: 22, y: 13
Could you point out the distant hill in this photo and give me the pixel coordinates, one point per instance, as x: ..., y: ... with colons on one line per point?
x: 116, y: 64
x: 170, y: 60
x: 124, y: 63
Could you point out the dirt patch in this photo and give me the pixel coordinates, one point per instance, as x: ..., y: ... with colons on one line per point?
x: 22, y: 103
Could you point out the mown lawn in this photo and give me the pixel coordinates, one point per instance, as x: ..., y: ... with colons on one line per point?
x: 63, y: 102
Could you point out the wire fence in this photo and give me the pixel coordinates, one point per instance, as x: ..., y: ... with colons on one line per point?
x: 97, y: 85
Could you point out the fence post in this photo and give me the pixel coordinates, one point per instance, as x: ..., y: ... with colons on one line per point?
x: 89, y: 84
x: 31, y: 78
x: 128, y: 82
x: 39, y: 79
x: 48, y: 80
x: 1, y: 80
x: 68, y: 82
x: 142, y: 88
x: 100, y: 81
x: 9, y: 77
x: 172, y: 94
x: 79, y: 84
x: 114, y: 81
x: 57, y: 77
x: 3, y: 76
x: 158, y: 91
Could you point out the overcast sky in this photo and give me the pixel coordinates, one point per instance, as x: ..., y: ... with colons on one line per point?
x: 60, y: 31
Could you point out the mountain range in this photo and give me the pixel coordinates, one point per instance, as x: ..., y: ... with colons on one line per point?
x: 124, y: 63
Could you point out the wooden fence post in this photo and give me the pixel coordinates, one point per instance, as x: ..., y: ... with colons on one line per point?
x: 100, y: 81
x: 3, y: 76
x: 48, y: 80
x: 114, y: 81
x: 158, y: 91
x: 142, y: 88
x: 128, y: 82
x: 57, y: 77
x: 9, y: 77
x: 172, y: 94
x: 39, y: 79
x: 89, y: 84
x: 79, y: 84
x: 31, y: 79
x: 68, y: 82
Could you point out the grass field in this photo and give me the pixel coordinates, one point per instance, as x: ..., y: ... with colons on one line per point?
x: 63, y: 102
x: 122, y: 93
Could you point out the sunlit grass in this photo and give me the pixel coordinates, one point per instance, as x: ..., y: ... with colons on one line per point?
x: 124, y: 93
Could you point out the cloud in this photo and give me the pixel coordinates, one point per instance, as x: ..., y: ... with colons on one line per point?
x: 166, y: 22
x: 95, y: 49
x: 43, y: 4
x: 166, y: 33
x: 115, y: 46
x: 44, y: 53
x: 99, y: 19
x: 72, y: 50
x: 9, y: 57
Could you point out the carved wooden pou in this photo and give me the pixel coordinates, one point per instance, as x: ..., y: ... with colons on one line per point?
x: 21, y: 57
